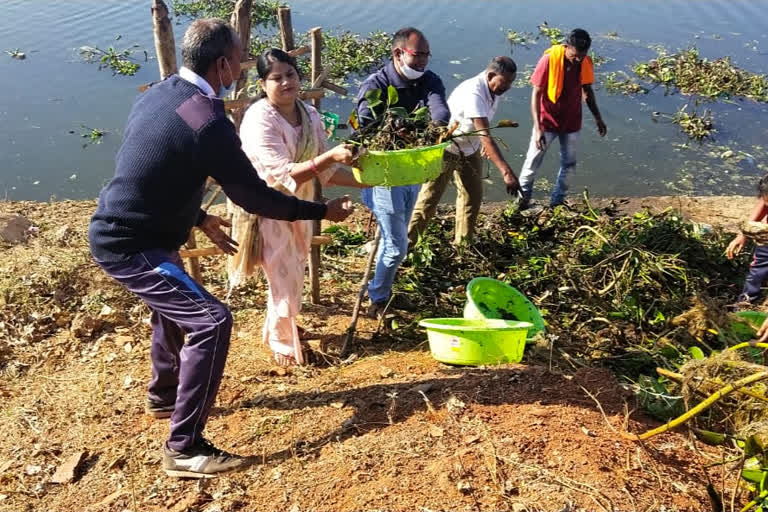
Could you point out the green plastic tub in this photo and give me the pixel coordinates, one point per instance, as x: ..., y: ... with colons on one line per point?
x: 476, y: 342
x: 491, y: 298
x: 401, y: 167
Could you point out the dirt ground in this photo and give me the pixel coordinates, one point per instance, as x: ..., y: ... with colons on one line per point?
x: 390, y: 429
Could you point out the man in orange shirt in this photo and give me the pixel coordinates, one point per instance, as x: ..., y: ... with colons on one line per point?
x: 563, y: 76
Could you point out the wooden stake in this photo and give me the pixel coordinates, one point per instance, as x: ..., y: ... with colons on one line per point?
x: 286, y: 27
x: 363, y: 287
x: 241, y: 21
x: 316, y: 38
x: 165, y: 47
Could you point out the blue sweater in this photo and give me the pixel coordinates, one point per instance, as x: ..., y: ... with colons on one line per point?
x: 174, y: 139
x: 425, y: 91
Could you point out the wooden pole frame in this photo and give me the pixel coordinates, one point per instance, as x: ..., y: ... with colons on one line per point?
x: 165, y: 48
x: 316, y: 44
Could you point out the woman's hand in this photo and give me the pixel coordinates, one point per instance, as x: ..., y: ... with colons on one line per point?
x: 736, y: 245
x: 343, y: 154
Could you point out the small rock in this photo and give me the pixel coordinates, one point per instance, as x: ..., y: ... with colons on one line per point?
x: 66, y: 472
x: 14, y: 229
x: 588, y: 432
x: 31, y: 469
x: 337, y: 405
x: 122, y: 340
x: 436, y: 431
x: 464, y: 487
x: 127, y: 382
x: 386, y: 372
x: 470, y: 439
x: 128, y: 347
x: 84, y: 326
x: 61, y: 235
x: 726, y: 154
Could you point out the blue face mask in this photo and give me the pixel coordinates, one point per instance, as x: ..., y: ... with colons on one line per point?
x: 224, y: 90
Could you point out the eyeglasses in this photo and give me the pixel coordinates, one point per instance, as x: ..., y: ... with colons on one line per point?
x: 421, y: 55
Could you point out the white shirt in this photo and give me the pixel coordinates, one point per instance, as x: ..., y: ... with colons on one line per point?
x: 471, y: 99
x: 195, y: 79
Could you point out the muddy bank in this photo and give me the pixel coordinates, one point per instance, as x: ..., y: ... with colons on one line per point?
x: 391, y: 430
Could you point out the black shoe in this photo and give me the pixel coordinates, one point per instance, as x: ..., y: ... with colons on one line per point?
x: 201, y: 461
x: 159, y: 409
x: 376, y: 310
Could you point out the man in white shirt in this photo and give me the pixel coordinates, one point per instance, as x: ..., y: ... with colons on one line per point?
x: 473, y: 104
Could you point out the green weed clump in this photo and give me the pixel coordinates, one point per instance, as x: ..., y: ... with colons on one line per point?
x: 263, y: 12
x: 608, y: 285
x: 712, y: 79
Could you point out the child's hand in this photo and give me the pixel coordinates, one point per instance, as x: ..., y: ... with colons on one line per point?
x: 736, y: 245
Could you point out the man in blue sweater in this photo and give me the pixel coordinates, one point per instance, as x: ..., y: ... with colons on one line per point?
x: 176, y: 136
x: 416, y: 87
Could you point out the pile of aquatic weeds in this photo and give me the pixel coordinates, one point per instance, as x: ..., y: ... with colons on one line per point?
x: 608, y: 285
x: 395, y: 128
x: 711, y: 79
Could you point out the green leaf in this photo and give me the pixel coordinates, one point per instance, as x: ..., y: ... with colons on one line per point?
x: 373, y: 95
x: 710, y: 438
x: 696, y: 353
x: 421, y: 113
x: 753, y: 475
x: 399, y: 112
x: 392, y: 96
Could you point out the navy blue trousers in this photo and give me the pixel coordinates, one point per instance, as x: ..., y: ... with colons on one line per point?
x: 188, y: 373
x: 758, y: 274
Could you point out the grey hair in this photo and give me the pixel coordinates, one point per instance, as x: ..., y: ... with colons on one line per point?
x: 502, y: 65
x: 205, y: 41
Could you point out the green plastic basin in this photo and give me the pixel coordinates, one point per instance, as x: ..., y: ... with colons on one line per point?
x: 401, y: 167
x: 491, y: 298
x: 475, y: 342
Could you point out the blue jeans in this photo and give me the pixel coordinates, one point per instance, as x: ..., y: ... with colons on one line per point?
x: 535, y: 156
x: 393, y: 208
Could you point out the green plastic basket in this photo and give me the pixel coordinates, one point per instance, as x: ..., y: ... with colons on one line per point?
x: 491, y: 298
x: 476, y: 342
x: 401, y: 167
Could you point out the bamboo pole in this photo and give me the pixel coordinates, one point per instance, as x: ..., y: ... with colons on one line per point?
x: 350, y: 334
x: 213, y: 251
x: 680, y: 378
x: 706, y: 404
x: 241, y: 21
x: 165, y: 47
x: 286, y: 28
x: 316, y: 43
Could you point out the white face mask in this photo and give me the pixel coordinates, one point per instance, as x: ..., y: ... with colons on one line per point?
x: 224, y: 90
x: 408, y: 72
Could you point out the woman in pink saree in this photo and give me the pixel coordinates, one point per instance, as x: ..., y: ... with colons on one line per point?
x: 287, y: 144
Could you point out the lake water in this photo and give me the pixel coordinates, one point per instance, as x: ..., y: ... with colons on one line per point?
x: 49, y: 97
